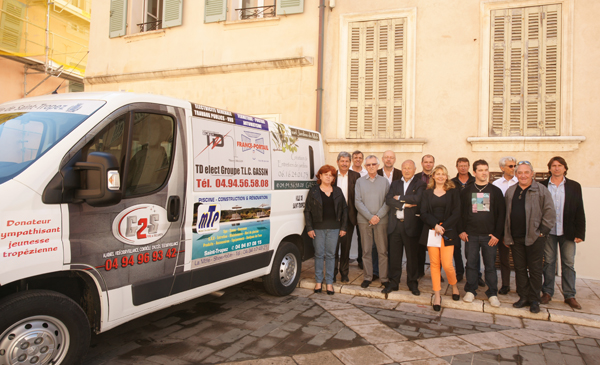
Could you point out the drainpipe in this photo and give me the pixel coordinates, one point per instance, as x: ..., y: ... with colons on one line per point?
x: 47, y: 65
x: 320, y: 64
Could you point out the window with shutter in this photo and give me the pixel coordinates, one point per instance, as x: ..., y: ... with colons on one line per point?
x: 525, y: 68
x: 11, y: 25
x: 172, y: 13
x: 118, y: 18
x: 376, y: 71
x: 287, y: 7
x: 215, y: 11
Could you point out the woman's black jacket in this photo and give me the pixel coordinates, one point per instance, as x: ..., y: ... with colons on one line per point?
x: 451, y: 216
x: 313, y: 211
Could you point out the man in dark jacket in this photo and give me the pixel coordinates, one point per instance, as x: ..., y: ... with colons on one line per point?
x: 346, y: 180
x: 404, y: 227
x: 427, y: 164
x: 567, y: 233
x: 530, y: 215
x: 482, y: 227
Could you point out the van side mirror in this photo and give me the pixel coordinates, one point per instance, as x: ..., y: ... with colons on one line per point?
x: 100, y: 176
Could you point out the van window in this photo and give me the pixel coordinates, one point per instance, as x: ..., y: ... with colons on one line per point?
x: 26, y: 136
x: 151, y: 153
x: 109, y: 140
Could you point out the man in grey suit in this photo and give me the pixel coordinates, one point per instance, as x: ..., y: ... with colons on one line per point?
x: 370, y: 193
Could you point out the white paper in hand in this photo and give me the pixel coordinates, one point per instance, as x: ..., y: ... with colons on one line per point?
x: 434, y: 240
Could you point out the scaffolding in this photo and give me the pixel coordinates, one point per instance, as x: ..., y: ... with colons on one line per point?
x: 50, y: 37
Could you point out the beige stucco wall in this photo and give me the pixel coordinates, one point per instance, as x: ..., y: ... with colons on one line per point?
x: 271, y: 88
x: 447, y: 95
x: 12, y: 74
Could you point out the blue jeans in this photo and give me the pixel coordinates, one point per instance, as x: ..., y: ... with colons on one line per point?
x: 325, y: 242
x: 567, y: 265
x: 472, y: 247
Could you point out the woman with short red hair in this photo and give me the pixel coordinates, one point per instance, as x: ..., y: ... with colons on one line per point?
x: 326, y: 216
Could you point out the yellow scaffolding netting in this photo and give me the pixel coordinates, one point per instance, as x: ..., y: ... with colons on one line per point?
x: 54, y: 33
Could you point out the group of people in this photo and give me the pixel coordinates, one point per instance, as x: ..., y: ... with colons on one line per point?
x: 400, y: 211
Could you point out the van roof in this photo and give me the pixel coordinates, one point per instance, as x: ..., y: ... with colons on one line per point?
x: 106, y: 96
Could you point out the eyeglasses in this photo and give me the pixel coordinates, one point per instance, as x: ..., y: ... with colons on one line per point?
x: 510, y: 166
x: 370, y: 164
x: 523, y: 163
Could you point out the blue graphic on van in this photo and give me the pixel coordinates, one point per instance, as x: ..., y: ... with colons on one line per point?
x: 208, y: 218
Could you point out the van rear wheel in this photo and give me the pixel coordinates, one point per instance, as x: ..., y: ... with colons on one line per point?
x: 42, y: 327
x: 285, y: 273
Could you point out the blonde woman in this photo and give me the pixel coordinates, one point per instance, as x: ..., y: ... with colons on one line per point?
x: 440, y: 211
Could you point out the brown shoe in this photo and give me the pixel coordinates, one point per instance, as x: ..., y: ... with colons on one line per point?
x: 546, y: 298
x: 573, y: 303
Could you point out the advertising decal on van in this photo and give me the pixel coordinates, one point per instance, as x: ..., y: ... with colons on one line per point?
x: 141, y: 224
x: 231, y: 157
x: 23, y: 236
x: 236, y: 227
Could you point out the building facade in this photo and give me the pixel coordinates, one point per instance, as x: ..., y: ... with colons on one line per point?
x: 473, y: 78
x: 43, y: 46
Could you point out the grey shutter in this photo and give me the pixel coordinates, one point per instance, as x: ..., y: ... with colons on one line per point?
x: 525, y: 71
x: 375, y: 80
x: 11, y: 25
x: 118, y: 18
x: 287, y: 7
x: 215, y: 11
x: 172, y: 13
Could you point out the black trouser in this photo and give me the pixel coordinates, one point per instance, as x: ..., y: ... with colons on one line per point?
x: 529, y: 258
x: 504, y: 253
x: 459, y: 265
x: 476, y: 244
x: 421, y: 256
x: 359, y: 258
x: 398, y: 242
x: 342, y: 252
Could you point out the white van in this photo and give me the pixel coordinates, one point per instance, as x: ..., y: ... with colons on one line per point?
x: 116, y: 205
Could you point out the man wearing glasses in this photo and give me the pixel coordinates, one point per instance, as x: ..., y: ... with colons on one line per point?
x: 508, y: 179
x: 530, y: 216
x: 370, y: 193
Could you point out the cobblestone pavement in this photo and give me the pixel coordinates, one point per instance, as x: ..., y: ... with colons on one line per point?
x: 247, y: 326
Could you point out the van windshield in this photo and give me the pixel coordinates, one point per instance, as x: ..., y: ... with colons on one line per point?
x: 26, y: 134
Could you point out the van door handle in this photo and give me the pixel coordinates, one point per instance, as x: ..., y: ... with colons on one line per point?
x: 173, y: 208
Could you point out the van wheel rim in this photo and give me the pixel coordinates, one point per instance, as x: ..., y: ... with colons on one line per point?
x: 35, y: 340
x: 288, y: 269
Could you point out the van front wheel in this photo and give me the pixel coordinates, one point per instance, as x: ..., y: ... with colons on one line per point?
x: 285, y: 273
x: 42, y: 327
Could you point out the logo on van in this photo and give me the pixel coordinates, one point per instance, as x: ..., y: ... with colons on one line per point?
x: 141, y: 224
x: 208, y: 218
x: 252, y: 141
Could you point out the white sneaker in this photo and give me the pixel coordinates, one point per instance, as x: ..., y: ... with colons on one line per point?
x: 494, y: 302
x: 469, y: 298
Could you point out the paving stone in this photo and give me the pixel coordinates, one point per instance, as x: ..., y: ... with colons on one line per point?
x: 568, y: 348
x: 436, y: 361
x: 491, y: 340
x: 532, y: 357
x: 261, y: 346
x: 345, y: 334
x: 447, y: 346
x: 279, y: 333
x: 320, y: 339
x: 236, y: 347
x: 318, y: 358
x: 362, y: 355
x: 165, y: 360
x: 472, y: 316
x: 573, y: 360
x: 547, y: 326
x: 523, y: 335
x: 166, y: 322
x: 588, y: 331
x: 590, y: 354
x: 313, y: 312
x: 508, y: 321
x: 283, y: 360
x: 354, y: 317
x: 414, y: 308
x: 266, y: 329
x: 408, y: 333
x: 405, y: 351
x: 241, y: 356
x: 373, y: 302
x: 330, y: 305
x: 378, y: 333
x: 553, y: 357
x: 300, y: 292
x: 312, y: 330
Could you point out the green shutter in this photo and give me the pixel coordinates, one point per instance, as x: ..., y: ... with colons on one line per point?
x: 287, y: 7
x: 215, y: 11
x: 118, y: 18
x: 11, y: 25
x: 172, y: 13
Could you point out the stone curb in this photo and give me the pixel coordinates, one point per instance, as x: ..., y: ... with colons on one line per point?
x: 552, y: 315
